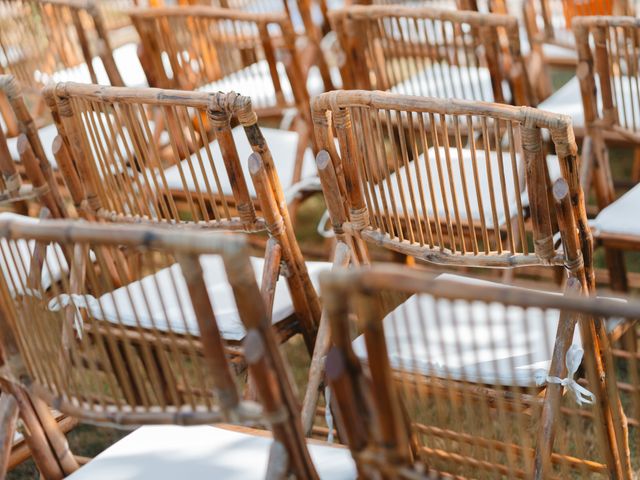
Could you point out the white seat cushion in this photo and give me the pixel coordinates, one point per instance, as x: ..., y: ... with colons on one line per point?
x: 469, y: 341
x: 568, y: 101
x: 47, y: 134
x: 203, y: 452
x: 139, y: 303
x: 474, y: 210
x: 620, y: 217
x: 16, y: 259
x: 449, y: 81
x: 282, y: 144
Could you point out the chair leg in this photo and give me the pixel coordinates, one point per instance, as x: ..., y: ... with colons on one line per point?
x: 8, y: 421
x: 617, y: 269
x: 278, y: 462
x: 635, y: 170
x: 323, y: 343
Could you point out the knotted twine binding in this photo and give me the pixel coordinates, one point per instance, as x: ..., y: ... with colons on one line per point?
x: 573, y: 359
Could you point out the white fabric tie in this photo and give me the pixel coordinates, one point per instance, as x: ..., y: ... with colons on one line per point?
x: 573, y: 360
x: 327, y: 414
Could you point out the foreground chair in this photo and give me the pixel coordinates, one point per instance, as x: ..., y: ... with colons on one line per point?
x: 453, y: 202
x: 198, y: 180
x: 61, y: 350
x: 422, y: 389
x: 433, y: 52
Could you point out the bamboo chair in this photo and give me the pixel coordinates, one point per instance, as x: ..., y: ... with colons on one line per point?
x: 60, y: 351
x: 609, y: 110
x: 213, y: 49
x: 48, y: 40
x: 438, y: 205
x: 23, y: 154
x: 307, y: 19
x: 122, y: 178
x: 422, y: 392
x: 433, y: 52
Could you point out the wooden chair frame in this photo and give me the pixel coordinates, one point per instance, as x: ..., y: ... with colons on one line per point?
x: 358, y: 218
x: 109, y: 200
x: 34, y: 380
x: 600, y: 75
x: 370, y: 50
x: 369, y: 408
x: 33, y: 161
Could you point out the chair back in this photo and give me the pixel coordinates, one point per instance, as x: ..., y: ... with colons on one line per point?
x: 170, y: 157
x: 549, y: 21
x: 609, y: 75
x: 53, y: 40
x: 216, y: 49
x: 449, y: 181
x: 444, y: 376
x: 433, y: 52
x: 149, y: 352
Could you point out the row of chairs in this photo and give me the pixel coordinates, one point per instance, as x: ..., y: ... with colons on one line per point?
x: 453, y: 182
x: 116, y: 175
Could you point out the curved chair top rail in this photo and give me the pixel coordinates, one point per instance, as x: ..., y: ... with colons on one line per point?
x: 211, y: 12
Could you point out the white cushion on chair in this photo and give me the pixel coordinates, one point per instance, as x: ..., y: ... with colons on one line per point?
x: 567, y: 100
x: 129, y: 303
x: 128, y: 64
x: 449, y: 81
x: 202, y: 452
x: 620, y: 217
x: 480, y: 345
x: 47, y: 134
x: 474, y: 207
x: 282, y: 144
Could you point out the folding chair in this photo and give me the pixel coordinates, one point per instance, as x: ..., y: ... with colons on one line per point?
x: 433, y: 52
x: 443, y: 376
x: 453, y: 202
x: 124, y: 177
x: 70, y: 344
x: 211, y: 49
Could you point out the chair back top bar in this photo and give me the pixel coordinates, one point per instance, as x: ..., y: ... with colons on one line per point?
x: 440, y: 376
x: 446, y: 180
x: 434, y: 52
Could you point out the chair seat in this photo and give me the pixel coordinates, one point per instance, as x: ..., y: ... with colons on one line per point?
x: 459, y: 186
x: 15, y: 262
x: 255, y: 81
x: 450, y: 81
x: 140, y: 304
x: 470, y: 342
x: 567, y: 100
x: 619, y: 218
x: 282, y: 144
x: 203, y: 452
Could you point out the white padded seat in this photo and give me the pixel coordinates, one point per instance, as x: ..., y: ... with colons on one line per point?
x: 450, y: 81
x: 468, y: 341
x: 282, y: 144
x: 139, y: 303
x: 567, y: 100
x: 255, y: 81
x: 459, y: 187
x: 47, y: 134
x: 202, y: 452
x: 16, y: 259
x: 620, y: 217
